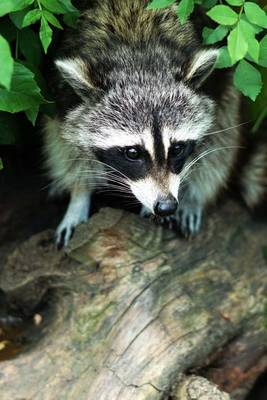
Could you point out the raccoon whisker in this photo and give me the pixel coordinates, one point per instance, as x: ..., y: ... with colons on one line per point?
x: 109, y: 166
x: 96, y: 178
x: 206, y: 153
x: 189, y: 172
x: 100, y: 162
x: 227, y: 129
x: 101, y: 175
x: 116, y: 189
x: 121, y: 194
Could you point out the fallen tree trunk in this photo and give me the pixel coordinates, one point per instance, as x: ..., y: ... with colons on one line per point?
x: 130, y: 311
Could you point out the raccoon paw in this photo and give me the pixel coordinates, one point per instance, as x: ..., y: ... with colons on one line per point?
x: 167, y: 222
x: 66, y: 229
x: 189, y: 220
x: 63, y: 235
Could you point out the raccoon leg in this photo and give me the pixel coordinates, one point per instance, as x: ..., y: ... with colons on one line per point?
x: 193, y: 200
x: 189, y: 218
x: 77, y: 212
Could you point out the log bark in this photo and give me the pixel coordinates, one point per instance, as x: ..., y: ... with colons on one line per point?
x: 131, y: 312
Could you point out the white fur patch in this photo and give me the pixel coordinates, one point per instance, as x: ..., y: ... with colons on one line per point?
x: 74, y: 71
x: 202, y: 59
x: 174, y: 184
x: 148, y: 192
x: 148, y: 142
x: 185, y: 132
x: 110, y: 137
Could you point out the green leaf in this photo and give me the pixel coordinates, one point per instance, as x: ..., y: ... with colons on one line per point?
x: 45, y: 34
x: 54, y: 6
x: 248, y: 79
x: 255, y: 14
x: 31, y: 17
x: 1, y: 164
x: 224, y: 59
x: 24, y: 92
x: 253, y: 49
x: 249, y: 35
x: 214, y: 35
x: 32, y: 114
x: 248, y: 28
x: 160, y: 4
x: 208, y: 4
x: 52, y: 19
x: 237, y: 44
x: 224, y: 15
x: 235, y: 2
x: 6, y: 63
x: 184, y: 9
x: 206, y: 32
x: 30, y: 46
x: 18, y: 17
x: 263, y: 52
x: 8, y: 6
x: 67, y: 4
x: 60, y: 6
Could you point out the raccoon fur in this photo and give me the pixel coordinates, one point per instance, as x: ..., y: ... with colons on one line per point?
x: 141, y: 108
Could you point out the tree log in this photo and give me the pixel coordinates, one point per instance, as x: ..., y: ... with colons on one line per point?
x: 130, y: 311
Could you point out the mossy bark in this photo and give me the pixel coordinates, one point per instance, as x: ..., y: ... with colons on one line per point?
x: 130, y: 310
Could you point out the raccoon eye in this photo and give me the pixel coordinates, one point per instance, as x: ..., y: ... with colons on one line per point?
x: 132, y: 153
x: 178, y: 150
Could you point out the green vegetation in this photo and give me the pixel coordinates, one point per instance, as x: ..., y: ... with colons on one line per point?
x: 243, y: 25
x: 27, y: 28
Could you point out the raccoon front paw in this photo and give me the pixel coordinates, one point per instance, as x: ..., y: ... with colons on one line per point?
x: 63, y: 235
x: 66, y: 230
x: 189, y: 220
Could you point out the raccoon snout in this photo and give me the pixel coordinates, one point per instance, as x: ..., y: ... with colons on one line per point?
x: 165, y: 207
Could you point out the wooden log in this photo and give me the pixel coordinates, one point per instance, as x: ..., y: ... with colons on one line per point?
x: 198, y: 388
x: 130, y: 310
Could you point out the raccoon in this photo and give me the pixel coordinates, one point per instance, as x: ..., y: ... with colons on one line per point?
x: 142, y: 108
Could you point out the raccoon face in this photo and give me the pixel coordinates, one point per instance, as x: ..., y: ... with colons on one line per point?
x: 144, y: 130
x: 151, y: 170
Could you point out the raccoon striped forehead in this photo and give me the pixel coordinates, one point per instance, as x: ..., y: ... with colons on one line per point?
x: 134, y: 109
x: 149, y: 190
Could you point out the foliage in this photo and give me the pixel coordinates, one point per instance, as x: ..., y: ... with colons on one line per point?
x: 26, y: 32
x: 242, y: 25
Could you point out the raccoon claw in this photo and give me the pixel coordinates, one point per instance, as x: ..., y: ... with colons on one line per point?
x: 189, y: 220
x: 145, y: 212
x: 63, y: 236
x: 168, y: 222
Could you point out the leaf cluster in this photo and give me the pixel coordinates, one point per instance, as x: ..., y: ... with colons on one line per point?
x: 242, y: 25
x: 26, y: 32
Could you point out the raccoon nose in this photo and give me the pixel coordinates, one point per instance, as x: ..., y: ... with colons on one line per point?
x: 164, y: 208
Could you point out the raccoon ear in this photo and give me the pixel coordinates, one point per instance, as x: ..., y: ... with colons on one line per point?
x: 77, y: 73
x: 201, y: 66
